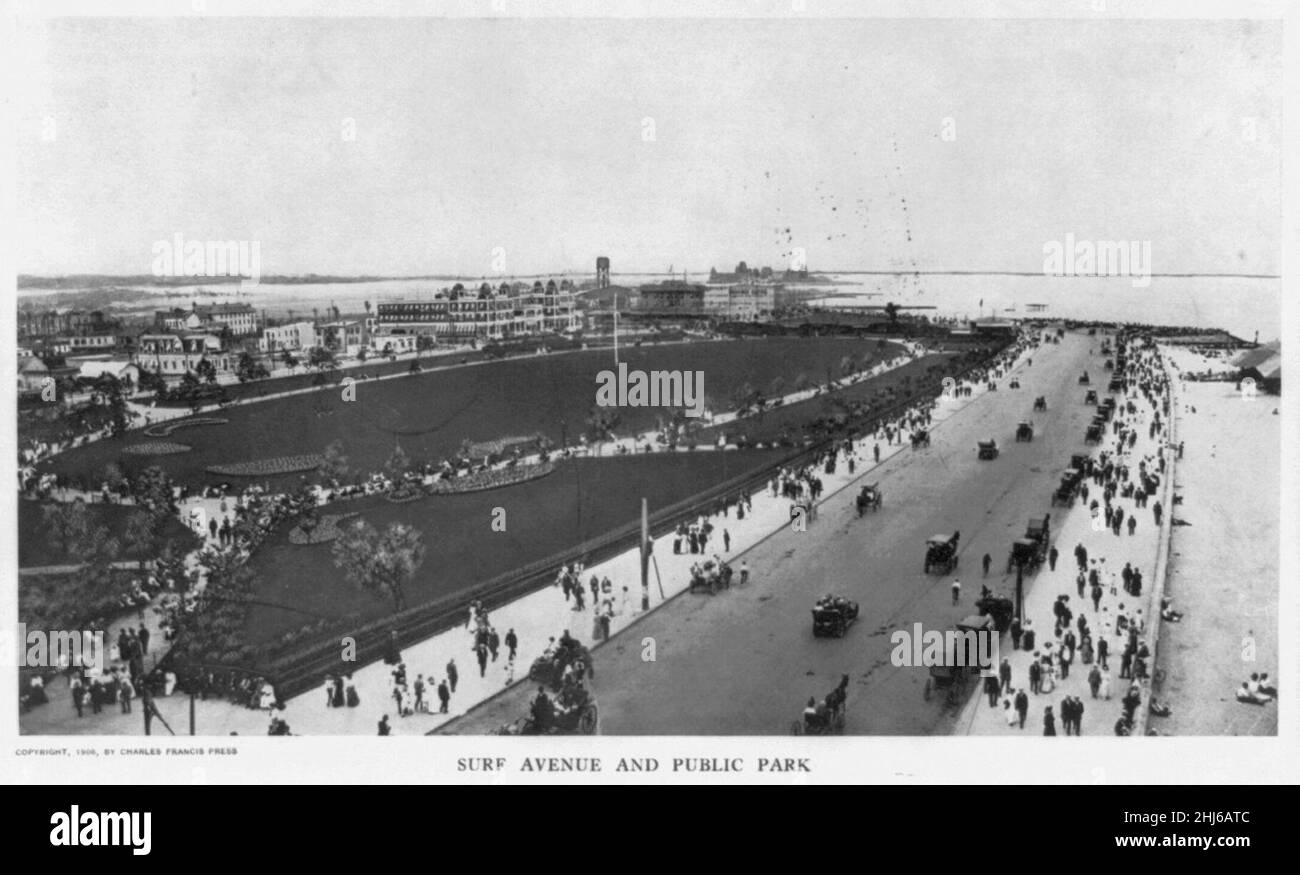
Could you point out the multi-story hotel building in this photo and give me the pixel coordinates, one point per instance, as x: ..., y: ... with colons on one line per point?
x: 174, y: 354
x: 508, y: 311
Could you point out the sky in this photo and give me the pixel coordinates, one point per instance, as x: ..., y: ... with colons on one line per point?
x: 496, y: 146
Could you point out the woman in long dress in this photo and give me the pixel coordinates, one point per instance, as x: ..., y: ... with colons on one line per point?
x: 329, y: 691
x: 338, y: 692
x: 268, y: 697
x: 352, y: 698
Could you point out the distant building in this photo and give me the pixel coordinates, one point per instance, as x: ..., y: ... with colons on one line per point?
x: 459, y: 314
x: 241, y: 319
x: 32, y: 373
x: 117, y: 366
x: 346, y: 336
x: 294, y: 337
x: 671, y: 299
x: 602, y: 272
x: 174, y: 354
x: 743, y: 303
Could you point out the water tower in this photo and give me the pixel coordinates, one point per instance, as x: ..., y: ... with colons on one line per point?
x: 602, y: 272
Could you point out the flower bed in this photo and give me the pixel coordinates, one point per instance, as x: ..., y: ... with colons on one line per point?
x: 326, y: 530
x: 156, y: 448
x: 269, y: 467
x: 503, y: 445
x: 490, y: 479
x: 163, y: 429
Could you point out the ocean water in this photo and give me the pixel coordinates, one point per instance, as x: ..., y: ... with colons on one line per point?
x: 1242, y: 306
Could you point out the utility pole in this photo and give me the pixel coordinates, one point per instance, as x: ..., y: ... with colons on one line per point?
x: 645, y: 555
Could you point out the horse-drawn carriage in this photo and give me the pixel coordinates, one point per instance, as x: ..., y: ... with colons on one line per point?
x: 1030, y: 551
x: 1090, y: 397
x: 962, y: 662
x: 1116, y: 385
x: 1068, y: 488
x: 941, y: 552
x: 920, y: 438
x: 988, y: 449
x: 1110, y: 364
x: 576, y: 715
x: 1000, y: 608
x: 1093, y: 435
x: 548, y: 669
x: 832, y: 616
x: 1014, y: 383
x: 1040, y: 403
x: 1083, y: 379
x: 1081, y: 462
x: 827, y: 716
x: 1024, y: 431
x: 869, y: 498
x: 710, y: 577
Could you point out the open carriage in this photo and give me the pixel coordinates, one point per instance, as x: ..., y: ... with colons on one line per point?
x: 832, y: 616
x: 941, y: 553
x: 988, y: 449
x: 869, y: 498
x: 1025, y: 432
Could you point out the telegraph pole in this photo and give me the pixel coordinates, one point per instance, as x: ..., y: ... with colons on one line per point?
x: 645, y: 555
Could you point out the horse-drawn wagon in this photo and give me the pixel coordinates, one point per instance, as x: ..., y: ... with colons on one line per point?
x: 941, y: 552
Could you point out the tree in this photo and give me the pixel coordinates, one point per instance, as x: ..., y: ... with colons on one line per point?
x: 397, y: 465
x: 380, y: 562
x: 152, y: 489
x: 321, y: 358
x: 152, y: 381
x: 289, y: 359
x: 141, y: 535
x: 250, y: 368
x: 334, y: 464
x: 601, y: 422
x: 206, y: 371
x: 71, y: 531
x: 363, y: 354
x: 891, y: 313
x: 424, y: 343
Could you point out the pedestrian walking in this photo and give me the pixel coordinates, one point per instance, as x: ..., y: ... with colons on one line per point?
x: 453, y: 674
x: 1015, y: 633
x: 512, y: 643
x: 988, y: 560
x: 1132, y: 524
x: 1094, y: 680
x: 1051, y: 559
x: 726, y: 541
x: 493, y: 643
x: 481, y: 654
x: 744, y: 572
x: 1156, y: 511
x: 444, y: 696
x: 1049, y: 721
x: 1004, y: 675
x: 1022, y: 706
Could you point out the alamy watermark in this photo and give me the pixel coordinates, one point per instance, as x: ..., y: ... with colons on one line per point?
x: 654, y: 389
x: 57, y: 649
x: 954, y: 648
x: 181, y: 257
x: 1099, y: 258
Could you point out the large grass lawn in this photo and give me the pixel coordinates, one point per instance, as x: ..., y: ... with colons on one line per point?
x: 429, y: 415
x: 582, y: 499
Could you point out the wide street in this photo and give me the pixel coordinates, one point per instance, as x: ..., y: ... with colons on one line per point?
x: 745, y: 661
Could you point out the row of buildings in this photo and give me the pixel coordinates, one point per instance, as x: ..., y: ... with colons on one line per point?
x: 508, y: 311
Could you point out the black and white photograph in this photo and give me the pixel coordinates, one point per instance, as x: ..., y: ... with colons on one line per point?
x: 788, y: 376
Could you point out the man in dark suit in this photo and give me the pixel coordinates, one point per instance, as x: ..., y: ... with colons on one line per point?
x: 1022, y: 706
